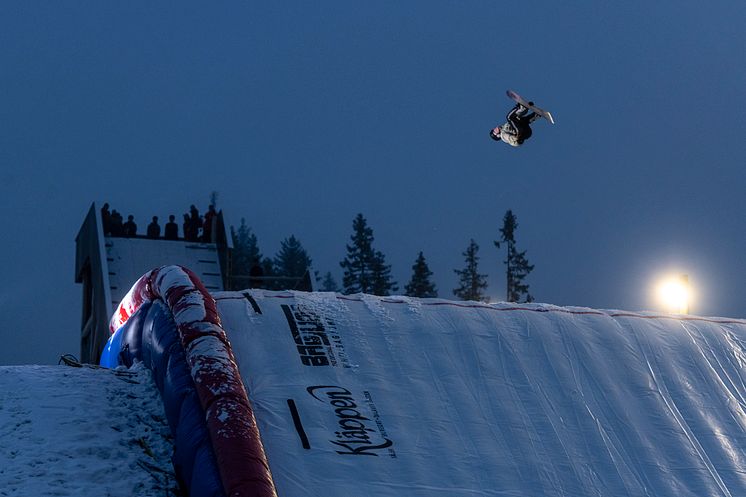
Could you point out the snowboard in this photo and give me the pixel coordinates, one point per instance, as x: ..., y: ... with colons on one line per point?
x: 518, y: 99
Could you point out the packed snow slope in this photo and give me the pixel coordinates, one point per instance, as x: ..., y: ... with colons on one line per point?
x: 81, y: 431
x: 360, y: 395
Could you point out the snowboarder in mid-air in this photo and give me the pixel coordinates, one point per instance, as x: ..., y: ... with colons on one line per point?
x: 517, y: 129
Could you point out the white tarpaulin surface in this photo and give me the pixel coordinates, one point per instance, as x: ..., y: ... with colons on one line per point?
x: 359, y: 396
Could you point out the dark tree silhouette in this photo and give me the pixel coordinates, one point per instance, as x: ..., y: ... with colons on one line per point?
x: 365, y: 269
x: 381, y: 282
x: 420, y: 284
x: 517, y: 266
x: 247, y: 260
x: 292, y: 260
x: 357, y: 264
x: 471, y: 283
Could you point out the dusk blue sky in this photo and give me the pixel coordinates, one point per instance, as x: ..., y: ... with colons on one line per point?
x: 303, y: 114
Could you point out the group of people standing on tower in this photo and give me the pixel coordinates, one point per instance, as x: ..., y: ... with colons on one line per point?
x: 195, y: 228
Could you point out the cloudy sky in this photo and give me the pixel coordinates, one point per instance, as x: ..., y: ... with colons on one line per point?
x: 302, y: 114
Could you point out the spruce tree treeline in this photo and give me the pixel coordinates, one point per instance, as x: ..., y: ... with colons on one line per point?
x: 288, y: 270
x: 365, y: 268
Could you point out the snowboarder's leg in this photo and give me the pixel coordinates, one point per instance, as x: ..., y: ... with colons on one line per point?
x: 520, y: 120
x: 516, y: 113
x: 523, y: 120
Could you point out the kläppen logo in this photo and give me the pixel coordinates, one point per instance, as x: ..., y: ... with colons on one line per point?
x: 356, y: 434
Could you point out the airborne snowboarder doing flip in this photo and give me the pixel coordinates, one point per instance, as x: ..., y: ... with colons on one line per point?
x: 517, y: 129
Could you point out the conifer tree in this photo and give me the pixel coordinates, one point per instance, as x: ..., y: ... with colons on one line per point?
x: 358, y: 263
x: 291, y: 261
x: 471, y: 283
x: 365, y: 269
x: 420, y: 284
x: 249, y: 267
x: 245, y: 252
x: 517, y: 266
x: 381, y: 282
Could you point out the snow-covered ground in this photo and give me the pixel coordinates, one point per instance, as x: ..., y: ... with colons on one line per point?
x: 82, y: 431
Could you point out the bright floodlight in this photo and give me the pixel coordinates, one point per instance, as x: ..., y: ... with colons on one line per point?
x: 675, y: 294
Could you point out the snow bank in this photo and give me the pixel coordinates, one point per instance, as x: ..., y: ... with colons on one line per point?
x: 359, y: 395
x: 80, y: 431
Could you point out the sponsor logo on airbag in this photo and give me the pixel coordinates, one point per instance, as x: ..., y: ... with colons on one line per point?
x: 316, y: 339
x: 359, y: 430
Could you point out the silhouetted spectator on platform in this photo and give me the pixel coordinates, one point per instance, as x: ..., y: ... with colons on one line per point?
x: 130, y: 228
x: 195, y: 223
x: 210, y: 218
x: 191, y: 227
x: 187, y: 228
x: 117, y: 228
x: 106, y: 219
x: 171, y: 232
x: 154, y: 230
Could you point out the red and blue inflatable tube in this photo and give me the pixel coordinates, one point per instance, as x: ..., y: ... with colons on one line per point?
x: 230, y: 420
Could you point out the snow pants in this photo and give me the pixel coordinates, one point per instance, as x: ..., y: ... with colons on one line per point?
x: 520, y: 120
